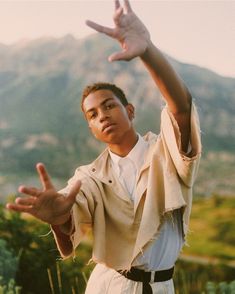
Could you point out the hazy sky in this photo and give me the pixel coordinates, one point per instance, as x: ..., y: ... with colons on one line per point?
x: 198, y: 32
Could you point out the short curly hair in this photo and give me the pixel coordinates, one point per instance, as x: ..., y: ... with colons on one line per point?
x: 118, y: 92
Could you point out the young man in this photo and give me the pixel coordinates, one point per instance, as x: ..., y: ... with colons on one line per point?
x: 136, y: 196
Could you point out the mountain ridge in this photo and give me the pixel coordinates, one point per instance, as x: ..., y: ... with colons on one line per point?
x: 40, y: 89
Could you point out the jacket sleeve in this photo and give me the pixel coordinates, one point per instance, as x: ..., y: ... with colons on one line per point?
x: 185, y: 166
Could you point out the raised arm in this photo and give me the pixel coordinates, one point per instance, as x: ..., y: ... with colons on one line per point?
x: 135, y: 41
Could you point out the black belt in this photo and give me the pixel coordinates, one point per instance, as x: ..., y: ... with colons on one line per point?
x: 139, y: 275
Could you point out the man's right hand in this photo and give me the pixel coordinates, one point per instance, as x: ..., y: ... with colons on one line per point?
x: 46, y: 204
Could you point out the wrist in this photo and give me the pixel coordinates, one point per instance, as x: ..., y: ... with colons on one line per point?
x: 147, y: 52
x: 64, y: 225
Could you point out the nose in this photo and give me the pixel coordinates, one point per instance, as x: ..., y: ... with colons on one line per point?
x: 103, y: 115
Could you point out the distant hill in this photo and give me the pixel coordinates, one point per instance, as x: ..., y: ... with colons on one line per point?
x: 40, y: 118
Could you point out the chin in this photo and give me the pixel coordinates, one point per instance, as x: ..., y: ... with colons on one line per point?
x: 111, y: 140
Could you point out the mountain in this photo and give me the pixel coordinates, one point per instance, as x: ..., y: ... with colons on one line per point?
x: 40, y: 119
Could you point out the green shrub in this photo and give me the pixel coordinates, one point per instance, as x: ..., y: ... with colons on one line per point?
x: 37, y: 253
x: 220, y: 288
x: 9, y: 287
x: 8, y: 262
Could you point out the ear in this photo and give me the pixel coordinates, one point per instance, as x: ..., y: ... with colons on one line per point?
x: 130, y: 111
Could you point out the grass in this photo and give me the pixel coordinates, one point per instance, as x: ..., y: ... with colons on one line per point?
x: 212, y: 228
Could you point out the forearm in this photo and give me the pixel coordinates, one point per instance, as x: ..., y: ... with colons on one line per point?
x: 62, y: 234
x: 169, y: 83
x: 172, y: 88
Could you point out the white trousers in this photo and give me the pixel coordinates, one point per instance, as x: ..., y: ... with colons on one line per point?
x: 104, y: 280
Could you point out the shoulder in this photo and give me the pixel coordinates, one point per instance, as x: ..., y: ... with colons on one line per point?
x: 96, y: 164
x: 96, y: 171
x: 151, y: 137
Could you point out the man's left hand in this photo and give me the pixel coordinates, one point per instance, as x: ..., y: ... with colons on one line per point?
x: 129, y: 31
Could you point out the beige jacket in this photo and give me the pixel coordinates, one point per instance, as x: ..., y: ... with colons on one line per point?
x: 122, y: 229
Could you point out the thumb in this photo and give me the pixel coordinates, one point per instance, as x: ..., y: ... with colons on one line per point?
x: 74, y: 191
x: 122, y: 55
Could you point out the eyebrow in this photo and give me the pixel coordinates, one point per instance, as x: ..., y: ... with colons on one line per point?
x: 101, y: 104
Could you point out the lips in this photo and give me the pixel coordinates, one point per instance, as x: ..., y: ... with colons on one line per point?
x: 107, y: 126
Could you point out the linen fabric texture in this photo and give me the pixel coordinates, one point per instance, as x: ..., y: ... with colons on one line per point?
x: 162, y: 253
x: 121, y: 228
x: 104, y: 280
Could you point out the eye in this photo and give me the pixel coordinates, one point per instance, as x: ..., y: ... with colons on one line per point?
x: 92, y: 116
x: 109, y: 106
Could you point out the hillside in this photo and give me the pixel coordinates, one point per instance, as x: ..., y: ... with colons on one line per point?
x: 40, y: 118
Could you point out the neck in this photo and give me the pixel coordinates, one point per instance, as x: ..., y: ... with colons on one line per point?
x: 126, y: 145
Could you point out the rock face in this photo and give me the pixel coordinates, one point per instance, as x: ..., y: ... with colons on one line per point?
x: 40, y: 119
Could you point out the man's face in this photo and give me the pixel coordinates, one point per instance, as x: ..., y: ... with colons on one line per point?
x: 108, y: 119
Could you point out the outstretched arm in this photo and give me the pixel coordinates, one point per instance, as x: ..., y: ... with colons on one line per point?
x: 48, y: 205
x: 135, y: 41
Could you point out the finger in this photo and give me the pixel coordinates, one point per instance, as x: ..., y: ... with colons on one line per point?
x: 29, y: 191
x: 19, y: 208
x: 127, y: 6
x: 44, y: 176
x: 117, y: 15
x: 117, y: 4
x: 74, y: 191
x: 29, y: 201
x: 99, y: 28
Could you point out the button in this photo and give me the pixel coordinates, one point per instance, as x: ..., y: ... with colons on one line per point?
x: 93, y: 169
x: 110, y: 181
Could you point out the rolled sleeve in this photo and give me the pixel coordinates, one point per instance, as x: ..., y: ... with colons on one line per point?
x: 185, y: 166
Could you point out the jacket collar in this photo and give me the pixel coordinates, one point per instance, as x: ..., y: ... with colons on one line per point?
x: 101, y: 168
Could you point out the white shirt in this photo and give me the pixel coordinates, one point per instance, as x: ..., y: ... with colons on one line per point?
x: 164, y: 251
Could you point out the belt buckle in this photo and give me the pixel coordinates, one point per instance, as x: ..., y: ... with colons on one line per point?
x: 152, y: 277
